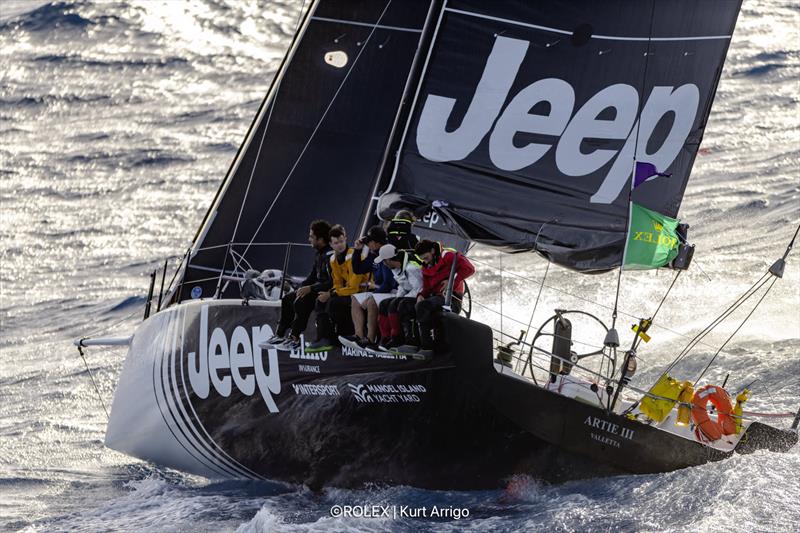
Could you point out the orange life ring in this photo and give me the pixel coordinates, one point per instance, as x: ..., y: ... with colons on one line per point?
x: 724, y: 425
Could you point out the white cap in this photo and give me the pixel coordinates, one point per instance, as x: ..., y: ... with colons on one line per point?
x: 387, y: 251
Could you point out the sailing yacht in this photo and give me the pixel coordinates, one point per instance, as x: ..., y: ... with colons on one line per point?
x: 517, y: 125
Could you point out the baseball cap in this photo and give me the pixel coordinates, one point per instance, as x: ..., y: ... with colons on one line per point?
x: 375, y: 233
x: 387, y: 251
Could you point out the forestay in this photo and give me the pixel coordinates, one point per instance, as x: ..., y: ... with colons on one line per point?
x: 529, y: 115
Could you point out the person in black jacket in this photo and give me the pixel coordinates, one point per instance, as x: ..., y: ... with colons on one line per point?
x: 400, y: 231
x: 364, y: 262
x: 296, y: 307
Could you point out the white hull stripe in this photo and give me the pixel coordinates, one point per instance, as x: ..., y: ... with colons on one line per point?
x: 187, y: 434
x: 602, y: 37
x: 194, y: 419
x: 160, y: 397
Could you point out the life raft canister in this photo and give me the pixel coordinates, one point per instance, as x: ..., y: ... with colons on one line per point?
x: 724, y: 425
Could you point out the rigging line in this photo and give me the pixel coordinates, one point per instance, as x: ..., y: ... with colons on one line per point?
x: 664, y: 299
x: 136, y: 311
x: 97, y: 390
x: 753, y: 310
x: 732, y: 307
x: 665, y: 295
x: 723, y: 316
x: 791, y: 243
x: 177, y: 269
x: 702, y: 334
x: 261, y: 142
x: 562, y: 291
x: 501, y: 295
x: 538, y: 295
x: 316, y: 128
x: 633, y: 170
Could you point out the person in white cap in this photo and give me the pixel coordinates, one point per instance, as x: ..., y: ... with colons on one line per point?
x: 395, y: 315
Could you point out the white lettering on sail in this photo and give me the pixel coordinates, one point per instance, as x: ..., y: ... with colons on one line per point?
x: 585, y: 124
x: 683, y: 103
x: 241, y: 356
x: 435, y: 143
x: 516, y: 118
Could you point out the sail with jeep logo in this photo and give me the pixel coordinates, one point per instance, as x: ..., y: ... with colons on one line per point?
x: 529, y: 116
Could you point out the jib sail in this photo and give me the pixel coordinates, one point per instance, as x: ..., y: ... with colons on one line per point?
x: 529, y: 115
x: 316, y: 145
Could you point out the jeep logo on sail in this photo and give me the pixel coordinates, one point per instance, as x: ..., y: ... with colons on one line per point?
x: 241, y: 354
x: 437, y: 144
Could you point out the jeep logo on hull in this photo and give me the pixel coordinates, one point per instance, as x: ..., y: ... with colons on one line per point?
x: 486, y: 113
x: 241, y: 356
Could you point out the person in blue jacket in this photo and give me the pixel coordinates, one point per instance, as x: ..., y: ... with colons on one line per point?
x: 364, y: 308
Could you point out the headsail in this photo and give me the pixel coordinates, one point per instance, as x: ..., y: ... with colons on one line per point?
x: 315, y: 148
x: 528, y: 117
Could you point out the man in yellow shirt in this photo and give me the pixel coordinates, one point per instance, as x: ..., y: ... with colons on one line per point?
x: 333, y: 306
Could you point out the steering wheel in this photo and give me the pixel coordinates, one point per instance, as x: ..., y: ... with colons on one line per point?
x: 575, y: 357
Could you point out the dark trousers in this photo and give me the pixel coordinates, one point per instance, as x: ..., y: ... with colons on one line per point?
x: 333, y: 318
x: 402, y: 306
x: 429, y: 312
x: 295, y: 312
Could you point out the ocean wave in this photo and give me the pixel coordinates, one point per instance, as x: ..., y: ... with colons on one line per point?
x: 130, y: 301
x: 49, y: 99
x: 79, y: 60
x: 58, y: 15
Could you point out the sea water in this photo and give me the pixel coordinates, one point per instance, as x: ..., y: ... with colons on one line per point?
x: 118, y: 120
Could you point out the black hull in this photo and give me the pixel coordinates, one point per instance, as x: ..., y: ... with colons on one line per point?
x: 347, y: 419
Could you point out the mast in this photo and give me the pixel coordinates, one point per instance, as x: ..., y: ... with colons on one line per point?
x: 403, y: 110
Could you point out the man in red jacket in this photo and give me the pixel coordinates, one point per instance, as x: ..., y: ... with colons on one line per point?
x: 435, y: 275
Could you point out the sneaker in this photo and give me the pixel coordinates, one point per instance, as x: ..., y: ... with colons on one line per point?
x: 364, y: 342
x: 273, y: 342
x: 349, y: 340
x: 406, y: 349
x: 288, y: 345
x: 423, y: 355
x: 395, y: 342
x: 322, y: 345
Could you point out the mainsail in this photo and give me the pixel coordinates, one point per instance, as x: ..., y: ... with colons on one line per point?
x: 317, y: 143
x: 528, y: 118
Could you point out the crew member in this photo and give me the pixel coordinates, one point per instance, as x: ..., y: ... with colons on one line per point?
x: 397, y: 313
x: 364, y: 307
x: 333, y: 306
x: 296, y: 306
x: 435, y: 274
x: 399, y: 231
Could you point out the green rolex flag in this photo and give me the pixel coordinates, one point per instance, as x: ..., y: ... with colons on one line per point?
x: 652, y: 239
